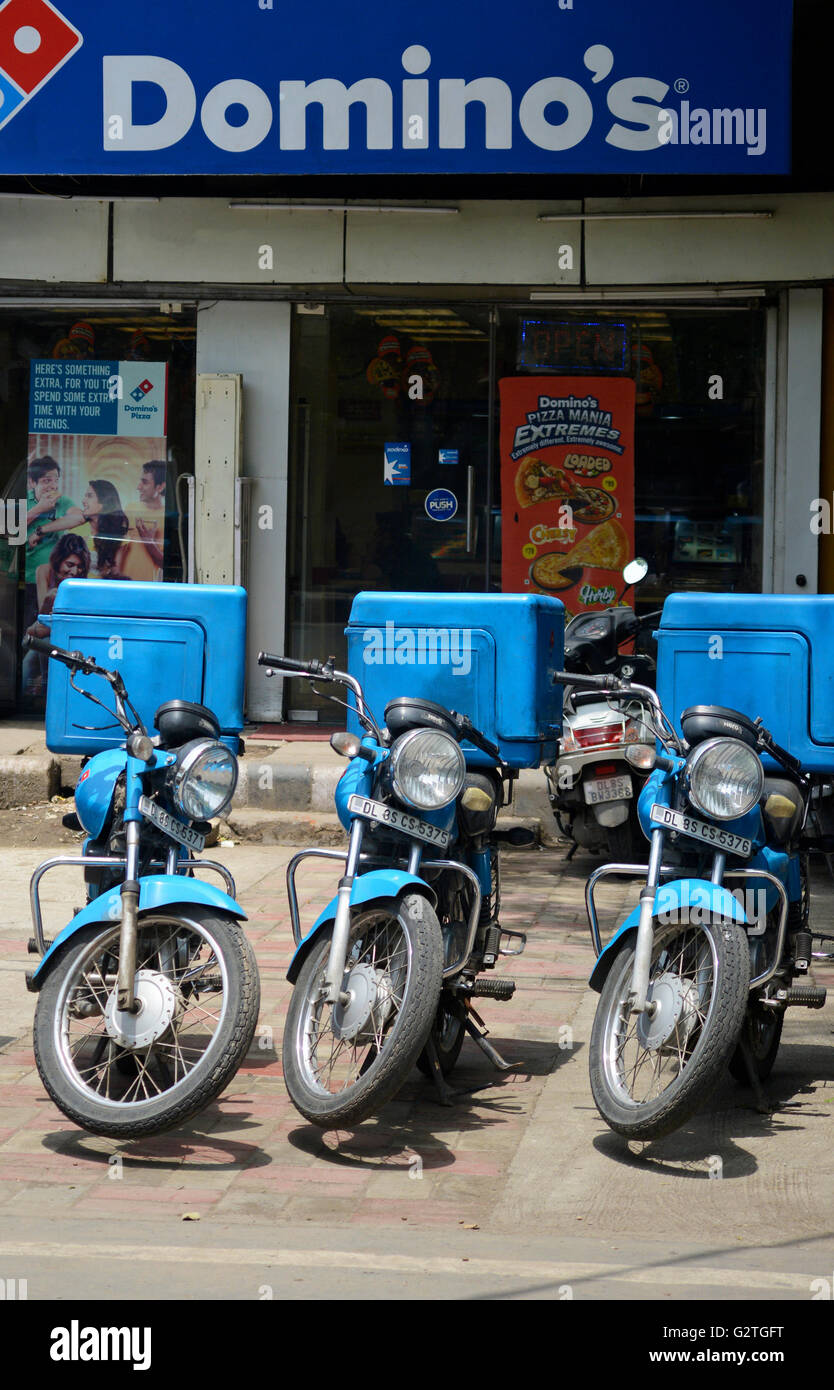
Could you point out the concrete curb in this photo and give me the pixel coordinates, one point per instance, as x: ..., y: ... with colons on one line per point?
x: 285, y: 790
x: 27, y: 780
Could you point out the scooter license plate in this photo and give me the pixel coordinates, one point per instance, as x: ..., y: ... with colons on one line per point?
x: 177, y: 829
x: 398, y: 820
x: 608, y: 789
x: 701, y: 830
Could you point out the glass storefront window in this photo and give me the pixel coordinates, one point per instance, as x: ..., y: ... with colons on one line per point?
x: 699, y: 448
x: 699, y: 429
x: 89, y: 486
x: 390, y: 407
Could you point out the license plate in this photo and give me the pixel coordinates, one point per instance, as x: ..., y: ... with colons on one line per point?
x: 177, y: 829
x: 398, y: 820
x: 701, y: 830
x: 608, y: 789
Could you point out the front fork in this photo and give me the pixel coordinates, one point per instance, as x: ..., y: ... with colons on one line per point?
x: 126, y: 981
x: 331, y: 990
x: 637, y: 1001
x: 126, y: 999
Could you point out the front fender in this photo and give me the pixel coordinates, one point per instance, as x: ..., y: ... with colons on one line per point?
x: 155, y: 891
x: 688, y: 894
x: 367, y: 888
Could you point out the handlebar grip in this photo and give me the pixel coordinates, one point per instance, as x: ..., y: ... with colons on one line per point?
x: 47, y: 648
x: 593, y: 682
x: 39, y: 644
x: 267, y: 659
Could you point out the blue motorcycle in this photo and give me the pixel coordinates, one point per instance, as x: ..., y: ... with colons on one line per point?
x: 386, y: 975
x: 701, y: 972
x: 148, y: 999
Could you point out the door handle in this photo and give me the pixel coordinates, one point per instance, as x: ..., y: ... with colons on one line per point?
x: 470, y: 509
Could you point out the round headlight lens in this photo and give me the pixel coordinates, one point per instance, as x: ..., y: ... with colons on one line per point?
x: 427, y: 769
x: 726, y: 778
x: 204, y: 779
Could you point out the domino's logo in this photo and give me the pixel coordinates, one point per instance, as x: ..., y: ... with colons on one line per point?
x: 35, y: 41
x: 140, y: 392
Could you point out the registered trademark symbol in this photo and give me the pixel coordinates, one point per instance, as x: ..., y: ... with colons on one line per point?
x: 681, y: 84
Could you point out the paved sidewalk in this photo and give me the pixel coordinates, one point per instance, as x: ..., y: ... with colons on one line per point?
x: 520, y: 1170
x: 251, y: 1154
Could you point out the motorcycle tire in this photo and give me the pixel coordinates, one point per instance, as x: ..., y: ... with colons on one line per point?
x: 764, y: 1037
x: 395, y: 955
x: 702, y: 975
x: 448, y: 1032
x: 192, y: 1053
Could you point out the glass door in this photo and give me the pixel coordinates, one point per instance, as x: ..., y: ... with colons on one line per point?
x: 389, y: 466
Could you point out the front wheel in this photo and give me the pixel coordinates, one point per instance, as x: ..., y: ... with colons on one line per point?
x: 343, y: 1063
x: 649, y: 1075
x: 132, y: 1075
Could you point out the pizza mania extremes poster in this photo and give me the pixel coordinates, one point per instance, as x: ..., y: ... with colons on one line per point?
x: 567, y: 487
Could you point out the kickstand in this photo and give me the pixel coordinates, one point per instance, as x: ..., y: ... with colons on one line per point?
x: 761, y: 1101
x: 476, y: 1029
x: 571, y: 852
x: 445, y: 1094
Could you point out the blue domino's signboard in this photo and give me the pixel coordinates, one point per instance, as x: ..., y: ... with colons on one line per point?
x: 479, y: 86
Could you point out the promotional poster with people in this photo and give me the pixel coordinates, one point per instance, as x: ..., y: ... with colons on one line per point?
x: 567, y: 487
x: 96, y: 482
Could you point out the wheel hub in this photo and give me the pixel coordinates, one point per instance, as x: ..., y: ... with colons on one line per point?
x: 362, y: 985
x: 676, y: 1004
x: 158, y: 1000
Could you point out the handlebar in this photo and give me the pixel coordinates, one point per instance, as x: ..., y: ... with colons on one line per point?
x: 75, y: 660
x: 776, y: 750
x: 304, y: 668
x: 593, y: 682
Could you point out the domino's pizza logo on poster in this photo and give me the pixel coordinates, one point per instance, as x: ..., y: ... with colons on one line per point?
x: 441, y: 505
x: 36, y: 40
x: 140, y: 392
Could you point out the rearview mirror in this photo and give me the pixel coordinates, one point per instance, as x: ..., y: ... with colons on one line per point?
x: 635, y: 570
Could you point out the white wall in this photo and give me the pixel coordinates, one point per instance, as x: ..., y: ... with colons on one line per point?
x: 797, y: 243
x: 797, y: 462
x: 254, y: 339
x: 53, y: 240
x: 194, y: 240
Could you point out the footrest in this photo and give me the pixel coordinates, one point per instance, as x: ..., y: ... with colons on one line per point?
x: 32, y: 945
x: 805, y: 996
x: 516, y: 943
x: 492, y: 989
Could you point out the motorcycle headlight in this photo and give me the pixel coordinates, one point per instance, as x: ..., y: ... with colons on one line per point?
x: 427, y: 769
x: 204, y: 779
x: 725, y: 777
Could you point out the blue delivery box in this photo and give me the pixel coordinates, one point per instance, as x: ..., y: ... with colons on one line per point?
x: 767, y: 655
x: 489, y: 656
x: 170, y: 642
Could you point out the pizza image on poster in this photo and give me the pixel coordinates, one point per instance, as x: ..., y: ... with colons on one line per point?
x: 567, y: 487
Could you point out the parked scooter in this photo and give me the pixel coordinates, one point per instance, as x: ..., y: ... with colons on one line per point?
x: 148, y: 999
x: 592, y: 787
x: 387, y: 974
x: 700, y: 974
